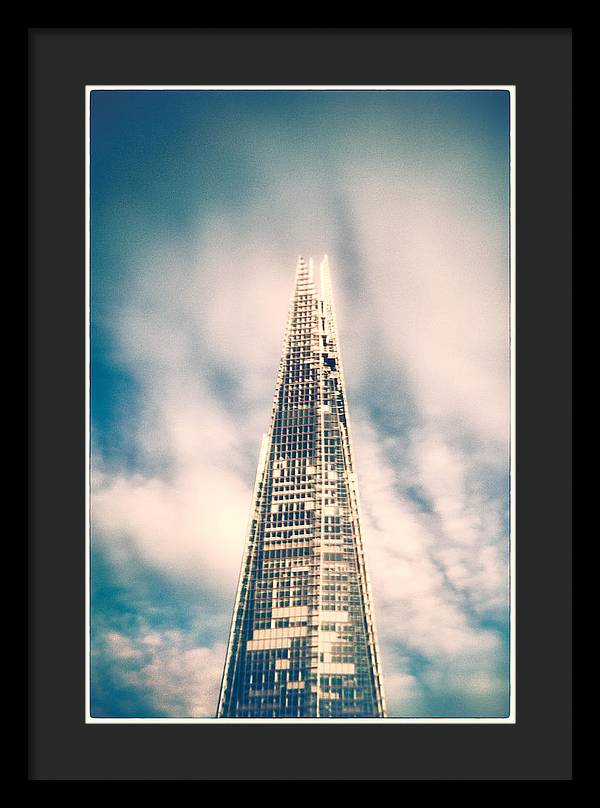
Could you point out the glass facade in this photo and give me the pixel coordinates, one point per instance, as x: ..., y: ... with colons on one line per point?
x: 302, y: 641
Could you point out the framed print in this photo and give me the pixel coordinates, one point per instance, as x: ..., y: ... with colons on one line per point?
x: 429, y: 556
x: 308, y: 450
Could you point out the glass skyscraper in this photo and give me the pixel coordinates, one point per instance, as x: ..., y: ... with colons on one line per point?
x: 302, y: 641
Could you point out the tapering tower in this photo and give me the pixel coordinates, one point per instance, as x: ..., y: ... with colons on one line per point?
x: 302, y: 641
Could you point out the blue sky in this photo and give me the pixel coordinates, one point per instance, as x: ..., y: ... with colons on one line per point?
x: 200, y: 204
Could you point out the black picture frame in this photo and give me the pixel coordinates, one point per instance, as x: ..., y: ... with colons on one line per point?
x: 61, y: 63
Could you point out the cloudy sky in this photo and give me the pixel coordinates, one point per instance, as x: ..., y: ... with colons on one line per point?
x: 200, y: 204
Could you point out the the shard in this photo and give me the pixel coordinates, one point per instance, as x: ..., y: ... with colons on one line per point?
x: 302, y: 641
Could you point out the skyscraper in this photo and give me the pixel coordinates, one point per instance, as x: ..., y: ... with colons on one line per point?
x: 302, y: 641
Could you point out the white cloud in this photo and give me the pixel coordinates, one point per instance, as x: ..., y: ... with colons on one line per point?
x: 175, y: 677
x: 435, y: 573
x: 438, y: 291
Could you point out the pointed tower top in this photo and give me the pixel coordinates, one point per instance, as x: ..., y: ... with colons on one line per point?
x: 308, y: 445
x: 304, y: 276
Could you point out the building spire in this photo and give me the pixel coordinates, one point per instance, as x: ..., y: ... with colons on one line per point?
x: 302, y: 642
x: 304, y: 276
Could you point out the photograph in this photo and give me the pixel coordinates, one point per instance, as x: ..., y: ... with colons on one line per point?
x: 300, y: 378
